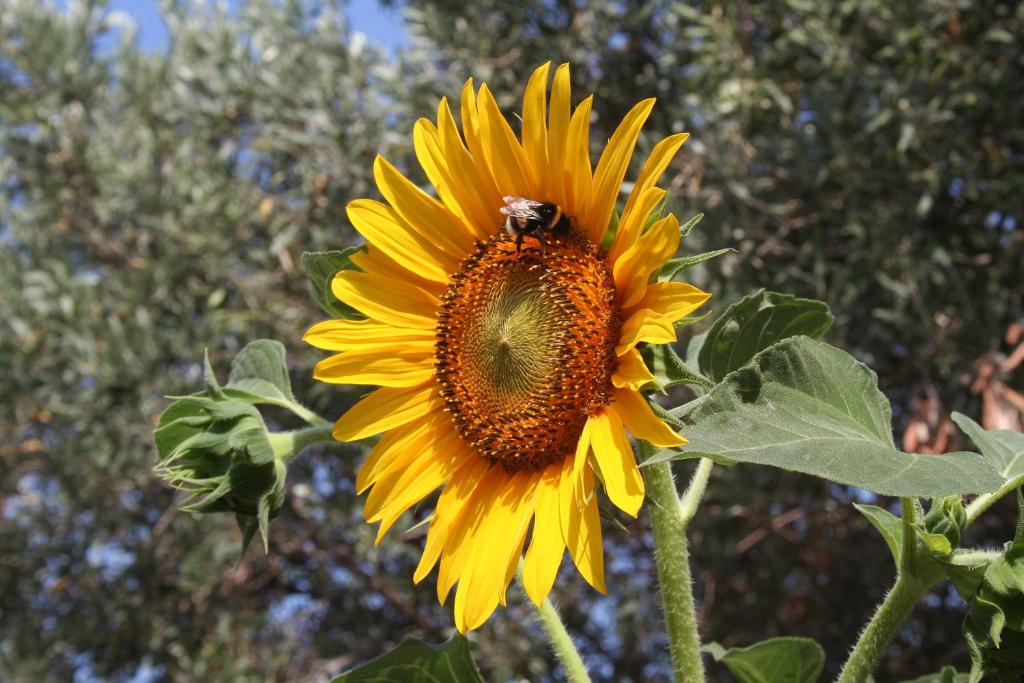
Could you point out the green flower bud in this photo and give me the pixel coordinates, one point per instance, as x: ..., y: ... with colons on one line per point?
x: 948, y: 518
x: 215, y: 447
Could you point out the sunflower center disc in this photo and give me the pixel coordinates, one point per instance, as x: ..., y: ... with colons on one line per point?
x: 526, y: 347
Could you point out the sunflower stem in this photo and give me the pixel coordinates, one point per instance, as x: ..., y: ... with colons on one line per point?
x: 287, y: 445
x: 699, y: 482
x: 894, y: 609
x: 561, y: 643
x: 669, y: 519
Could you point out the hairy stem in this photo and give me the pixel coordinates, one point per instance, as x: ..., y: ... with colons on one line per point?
x: 894, y: 610
x: 673, y: 561
x: 987, y: 500
x: 561, y: 643
x: 287, y: 445
x: 691, y: 499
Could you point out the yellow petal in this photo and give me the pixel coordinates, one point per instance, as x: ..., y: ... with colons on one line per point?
x: 405, y: 366
x: 535, y: 130
x: 645, y: 326
x: 673, y: 300
x: 505, y: 155
x: 576, y: 164
x: 640, y: 420
x: 584, y: 538
x: 633, y: 269
x: 387, y: 300
x: 465, y: 532
x: 558, y: 133
x: 661, y: 156
x: 432, y: 220
x: 504, y: 527
x: 375, y: 262
x: 611, y: 169
x: 399, y: 446
x: 631, y: 372
x: 467, y: 194
x: 450, y: 506
x: 387, y: 408
x: 632, y: 223
x: 347, y: 335
x: 546, y: 547
x: 423, y: 476
x: 615, y: 460
x: 386, y: 230
x: 474, y: 183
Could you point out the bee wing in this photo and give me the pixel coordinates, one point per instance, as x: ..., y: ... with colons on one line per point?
x: 519, y: 207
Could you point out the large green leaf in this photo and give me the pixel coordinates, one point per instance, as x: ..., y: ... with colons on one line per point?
x: 260, y: 370
x: 805, y: 406
x: 777, y: 660
x: 320, y: 267
x: 754, y: 323
x: 414, y: 661
x: 947, y: 675
x: 1003, y: 448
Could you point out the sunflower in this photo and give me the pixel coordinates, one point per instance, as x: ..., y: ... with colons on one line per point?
x: 508, y: 373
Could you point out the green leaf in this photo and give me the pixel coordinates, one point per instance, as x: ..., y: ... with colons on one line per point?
x: 1003, y: 448
x: 678, y: 266
x: 260, y: 370
x: 414, y: 661
x: 669, y: 369
x: 754, y: 323
x: 947, y: 675
x: 777, y: 660
x: 321, y: 267
x: 887, y: 524
x: 805, y: 406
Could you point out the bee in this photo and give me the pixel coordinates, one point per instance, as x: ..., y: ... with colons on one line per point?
x: 529, y: 217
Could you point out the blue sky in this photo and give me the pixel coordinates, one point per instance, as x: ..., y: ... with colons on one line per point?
x: 382, y: 26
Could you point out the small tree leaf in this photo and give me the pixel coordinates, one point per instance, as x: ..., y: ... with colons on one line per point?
x: 805, y: 406
x: 260, y: 370
x: 887, y: 524
x: 1003, y: 448
x: 321, y: 267
x: 777, y: 660
x: 414, y: 661
x: 754, y: 323
x: 669, y: 369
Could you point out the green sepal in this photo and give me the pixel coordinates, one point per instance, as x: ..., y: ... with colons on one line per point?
x: 669, y: 369
x: 321, y: 267
x: 688, y: 226
x: 677, y: 266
